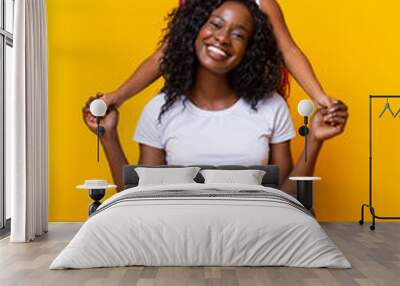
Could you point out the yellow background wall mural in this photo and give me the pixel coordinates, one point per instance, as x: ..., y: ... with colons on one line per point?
x: 94, y: 45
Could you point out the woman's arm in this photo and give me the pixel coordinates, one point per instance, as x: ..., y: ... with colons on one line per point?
x: 295, y: 61
x: 115, y: 156
x: 319, y: 132
x: 281, y: 156
x: 147, y: 72
x: 151, y: 156
x: 117, y: 160
x: 112, y: 147
x: 110, y: 141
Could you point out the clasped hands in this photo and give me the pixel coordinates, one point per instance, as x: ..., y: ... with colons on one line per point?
x: 328, y: 122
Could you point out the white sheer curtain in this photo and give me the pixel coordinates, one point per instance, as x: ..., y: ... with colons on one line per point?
x: 26, y: 124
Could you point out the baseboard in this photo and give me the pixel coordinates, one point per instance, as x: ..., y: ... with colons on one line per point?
x: 5, y: 231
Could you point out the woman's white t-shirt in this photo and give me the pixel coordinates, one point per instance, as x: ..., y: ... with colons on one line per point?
x: 237, y: 135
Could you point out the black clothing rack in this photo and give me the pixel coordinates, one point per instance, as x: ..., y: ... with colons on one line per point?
x: 369, y: 205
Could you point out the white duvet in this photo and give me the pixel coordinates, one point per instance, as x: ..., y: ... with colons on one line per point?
x: 188, y: 231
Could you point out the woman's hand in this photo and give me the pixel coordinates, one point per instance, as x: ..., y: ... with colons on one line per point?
x: 109, y: 121
x: 336, y: 116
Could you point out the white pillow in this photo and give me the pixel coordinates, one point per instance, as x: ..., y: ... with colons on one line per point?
x: 164, y: 176
x: 248, y: 177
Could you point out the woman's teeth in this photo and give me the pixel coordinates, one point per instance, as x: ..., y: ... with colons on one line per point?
x: 217, y: 50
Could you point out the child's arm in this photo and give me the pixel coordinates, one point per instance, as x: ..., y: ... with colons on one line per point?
x: 295, y: 61
x: 143, y: 76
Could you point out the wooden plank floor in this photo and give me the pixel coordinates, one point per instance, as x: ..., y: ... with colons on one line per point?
x: 375, y: 257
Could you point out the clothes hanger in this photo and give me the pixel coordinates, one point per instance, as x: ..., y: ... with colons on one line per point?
x: 397, y: 113
x: 387, y: 107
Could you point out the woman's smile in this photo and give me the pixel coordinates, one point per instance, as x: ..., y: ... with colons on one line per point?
x: 222, y: 41
x: 217, y: 53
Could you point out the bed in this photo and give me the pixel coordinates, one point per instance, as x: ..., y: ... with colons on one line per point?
x: 197, y: 224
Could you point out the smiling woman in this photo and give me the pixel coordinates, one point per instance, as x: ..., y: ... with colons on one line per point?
x: 218, y: 106
x: 238, y: 30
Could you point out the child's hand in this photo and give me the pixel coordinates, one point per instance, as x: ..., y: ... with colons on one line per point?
x: 328, y: 104
x: 325, y: 101
x: 109, y: 121
x: 111, y: 99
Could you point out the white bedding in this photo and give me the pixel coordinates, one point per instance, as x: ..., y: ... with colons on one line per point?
x: 183, y: 231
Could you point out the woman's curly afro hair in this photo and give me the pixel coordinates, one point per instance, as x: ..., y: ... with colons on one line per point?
x: 257, y: 76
